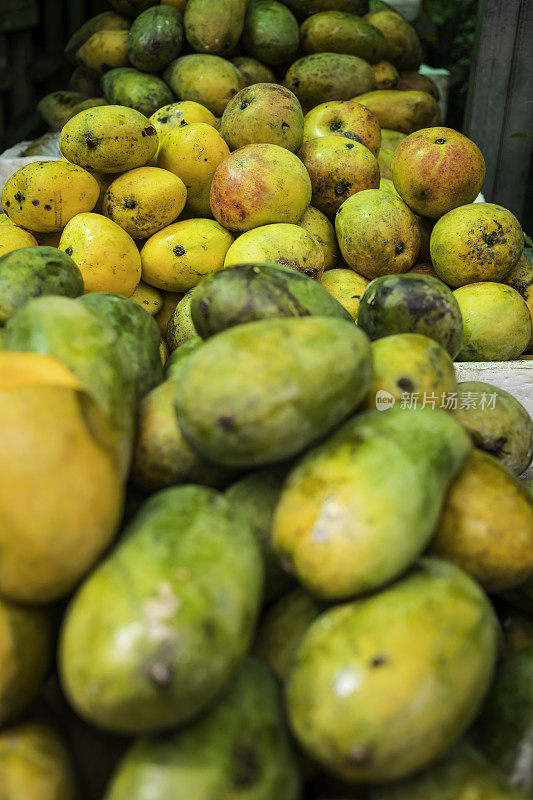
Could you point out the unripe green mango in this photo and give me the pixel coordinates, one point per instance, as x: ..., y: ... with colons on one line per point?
x: 271, y: 32
x: 34, y: 271
x: 338, y: 32
x: 154, y: 634
x: 125, y: 86
x: 321, y: 77
x: 155, y: 38
x: 261, y: 392
x: 248, y: 292
x: 214, y: 26
x: 240, y: 750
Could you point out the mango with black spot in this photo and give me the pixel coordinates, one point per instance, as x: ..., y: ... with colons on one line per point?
x: 347, y: 287
x: 387, y: 76
x: 285, y: 244
x: 148, y: 298
x: 319, y: 228
x: 155, y: 38
x: 521, y: 278
x: 57, y: 107
x: 263, y: 113
x: 253, y: 71
x: 107, y: 20
x: 343, y: 118
x: 206, y: 79
x: 103, y: 51
x: 321, y: 77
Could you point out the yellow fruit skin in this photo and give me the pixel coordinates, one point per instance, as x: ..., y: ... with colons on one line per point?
x: 344, y: 118
x: 193, y: 152
x: 178, y: 257
x: 144, y: 200
x: 319, y: 228
x: 387, y: 76
x: 148, y: 298
x: 404, y: 112
x: 13, y: 238
x: 44, y: 195
x: 263, y: 113
x: 209, y: 80
x: 486, y: 526
x: 284, y: 244
x: 56, y: 107
x: 170, y: 301
x: 346, y: 286
x: 104, y: 50
x: 106, y: 255
x: 521, y: 279
x: 109, y: 139
x: 178, y: 114
x: 403, y: 46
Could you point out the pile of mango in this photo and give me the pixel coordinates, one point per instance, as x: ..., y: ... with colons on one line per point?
x: 256, y: 542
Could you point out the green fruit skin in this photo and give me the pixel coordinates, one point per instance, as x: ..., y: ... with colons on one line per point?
x: 93, y: 25
x: 505, y: 431
x: 34, y: 271
x: 214, y: 26
x: 383, y: 686
x: 173, y: 362
x: 393, y: 469
x: 255, y: 497
x: 463, y: 774
x: 138, y: 332
x: 64, y: 328
x: 155, y: 38
x: 153, y: 636
x: 261, y: 392
x: 249, y: 292
x: 240, y: 750
x: 180, y: 328
x: 505, y: 728
x: 412, y: 304
x: 338, y: 32
x: 271, y: 32
x: 321, y: 77
x: 125, y: 86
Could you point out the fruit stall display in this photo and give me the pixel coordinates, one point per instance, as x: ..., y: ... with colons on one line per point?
x: 256, y: 541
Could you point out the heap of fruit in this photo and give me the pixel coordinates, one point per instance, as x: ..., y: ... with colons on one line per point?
x: 273, y: 540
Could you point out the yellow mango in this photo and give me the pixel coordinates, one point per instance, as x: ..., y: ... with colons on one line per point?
x: 178, y: 114
x: 148, y: 298
x: 179, y: 256
x: 144, y: 200
x: 104, y: 181
x: 322, y: 231
x: 13, y: 238
x: 106, y: 255
x: 404, y: 112
x: 284, y: 244
x: 91, y: 102
x: 104, y: 50
x: 55, y: 108
x: 193, y: 152
x: 206, y: 79
x: 44, y: 195
x: 347, y: 287
x: 387, y: 76
x: 344, y: 118
x: 170, y: 301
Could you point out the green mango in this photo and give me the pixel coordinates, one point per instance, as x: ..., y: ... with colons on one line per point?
x: 321, y: 77
x: 33, y: 271
x: 138, y: 332
x: 90, y: 347
x: 255, y: 497
x: 504, y: 731
x: 107, y: 20
x: 381, y: 687
x: 303, y: 8
x: 263, y: 391
x: 214, y: 26
x: 155, y: 38
x: 239, y: 750
x: 271, y: 32
x: 154, y: 634
x: 359, y: 508
x: 248, y: 292
x: 180, y: 328
x: 125, y: 86
x: 412, y: 304
x: 340, y: 32
x: 282, y: 629
x: 253, y: 71
x: 172, y: 364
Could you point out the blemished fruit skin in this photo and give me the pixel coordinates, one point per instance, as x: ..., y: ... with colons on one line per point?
x: 476, y: 242
x: 288, y: 245
x: 497, y: 422
x: 437, y: 169
x: 155, y: 38
x: 344, y: 118
x: 385, y: 475
x: 264, y: 113
x: 179, y: 114
x: 387, y: 76
x: 132, y: 88
x: 270, y: 32
x: 381, y: 687
x: 214, y: 26
x: 521, y: 279
x: 412, y: 304
x: 57, y: 107
x: 404, y: 112
x: 34, y: 271
x: 148, y: 298
x: 195, y: 574
x: 253, y: 71
x: 108, y: 20
x: 321, y: 77
x: 319, y: 228
x: 239, y: 750
x: 486, y: 527
x: 180, y: 328
x: 261, y: 392
x: 339, y: 32
x: 206, y: 79
x: 347, y: 287
x: 104, y: 50
x: 249, y: 292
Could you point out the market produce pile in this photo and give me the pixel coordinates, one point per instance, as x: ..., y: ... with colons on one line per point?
x: 279, y: 551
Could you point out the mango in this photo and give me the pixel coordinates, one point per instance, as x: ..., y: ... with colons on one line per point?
x: 403, y: 47
x: 263, y: 113
x: 284, y: 244
x: 391, y: 139
x: 412, y: 304
x: 108, y: 20
x: 109, y: 139
x: 103, y: 51
x: 206, y: 79
x: 271, y: 32
x: 105, y: 254
x: 253, y: 71
x: 193, y: 152
x: 179, y: 256
x: 346, y: 523
x: 214, y: 26
x: 131, y: 8
x: 257, y: 185
x: 170, y: 301
x: 321, y: 77
x: 173, y: 364
x: 178, y: 114
x: 35, y: 271
x: 252, y: 411
x: 186, y: 582
x: 521, y: 278
x: 148, y: 298
x: 82, y: 81
x: 319, y: 228
x: 144, y: 200
x: 338, y: 170
x: 132, y: 88
x: 387, y: 76
x: 91, y: 102
x: 395, y: 241
x: 347, y: 287
x: 411, y: 79
x: 12, y: 237
x: 486, y: 526
x: 180, y: 328
x: 155, y: 38
x: 404, y: 112
x: 341, y: 32
x: 26, y: 195
x: 496, y: 322
x: 56, y: 107
x: 343, y: 118
x: 243, y: 739
x: 383, y: 686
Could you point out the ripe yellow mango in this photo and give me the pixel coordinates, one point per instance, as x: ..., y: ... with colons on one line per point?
x: 283, y: 243
x: 206, y: 79
x: 148, y: 298
x: 170, y: 301
x: 347, y: 287
x: 13, y: 238
x: 322, y: 231
x: 178, y: 114
x: 104, y: 50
